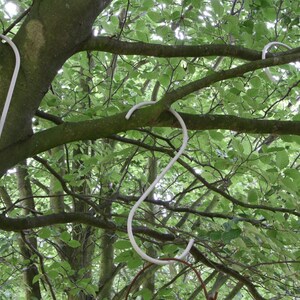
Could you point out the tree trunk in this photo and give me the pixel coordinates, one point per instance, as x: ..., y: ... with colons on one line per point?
x: 81, y: 258
x: 57, y: 196
x: 108, y: 269
x: 49, y: 35
x: 32, y: 290
x: 107, y: 266
x: 150, y: 217
x: 234, y: 291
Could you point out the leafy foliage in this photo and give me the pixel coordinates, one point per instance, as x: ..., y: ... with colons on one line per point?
x: 235, y: 192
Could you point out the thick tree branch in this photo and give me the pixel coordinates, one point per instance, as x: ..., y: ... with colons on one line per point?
x: 17, y: 224
x: 23, y: 223
x: 66, y: 133
x: 175, y: 95
x: 211, y: 215
x: 115, y: 46
x: 230, y: 122
x: 105, y: 127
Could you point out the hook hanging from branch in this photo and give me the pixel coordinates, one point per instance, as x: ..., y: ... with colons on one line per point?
x: 264, y: 53
x: 12, y: 82
x: 152, y: 186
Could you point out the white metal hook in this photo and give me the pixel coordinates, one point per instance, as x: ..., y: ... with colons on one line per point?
x: 264, y: 52
x: 12, y: 82
x: 151, y: 187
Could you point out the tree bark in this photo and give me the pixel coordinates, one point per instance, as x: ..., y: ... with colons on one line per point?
x: 150, y: 217
x: 50, y: 34
x: 234, y: 291
x: 81, y: 258
x: 108, y: 269
x: 32, y: 290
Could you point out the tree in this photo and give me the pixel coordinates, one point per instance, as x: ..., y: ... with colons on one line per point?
x: 72, y: 166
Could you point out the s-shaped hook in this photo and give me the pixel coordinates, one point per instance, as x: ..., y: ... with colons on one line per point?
x: 264, y: 52
x: 12, y: 82
x: 152, y: 186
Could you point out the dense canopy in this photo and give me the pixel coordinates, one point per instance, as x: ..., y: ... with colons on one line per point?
x: 72, y: 166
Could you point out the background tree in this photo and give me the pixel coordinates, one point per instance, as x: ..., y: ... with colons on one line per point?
x: 72, y: 166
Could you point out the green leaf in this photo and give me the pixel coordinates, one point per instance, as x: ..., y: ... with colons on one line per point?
x: 255, y: 82
x: 65, y: 236
x: 232, y: 25
x: 142, y: 36
x: 282, y: 159
x: 217, y: 7
x: 122, y: 244
x: 290, y: 185
x: 295, y: 21
x: 74, y: 243
x: 248, y: 25
x: 163, y: 31
x: 260, y: 28
x: 147, y: 4
x: 134, y: 262
x: 36, y: 278
x: 91, y: 289
x: 238, y: 146
x: 124, y: 256
x: 170, y: 249
x: 239, y: 86
x: 65, y: 265
x: 164, y: 79
x: 52, y: 100
x: 215, y: 235
x: 140, y: 25
x: 253, y: 196
x: 115, y: 22
x: 272, y: 233
x: 155, y: 16
x: 222, y: 163
x: 176, y: 15
x: 165, y: 292
x: 145, y: 293
x: 294, y: 174
x: 109, y: 28
x: 270, y: 13
x: 75, y: 291
x: 53, y: 274
x: 196, y: 3
x: 44, y: 233
x: 231, y: 235
x: 216, y: 135
x: 252, y: 93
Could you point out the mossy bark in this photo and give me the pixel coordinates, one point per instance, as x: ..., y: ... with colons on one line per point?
x: 50, y: 34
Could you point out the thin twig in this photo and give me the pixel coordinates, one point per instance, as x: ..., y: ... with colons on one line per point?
x: 12, y: 25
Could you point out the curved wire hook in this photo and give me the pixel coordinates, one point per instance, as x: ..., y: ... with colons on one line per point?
x: 151, y: 187
x: 12, y: 82
x: 264, y: 52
